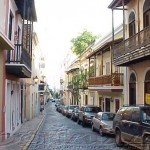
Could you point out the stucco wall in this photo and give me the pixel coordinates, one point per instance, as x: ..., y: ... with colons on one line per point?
x: 140, y: 71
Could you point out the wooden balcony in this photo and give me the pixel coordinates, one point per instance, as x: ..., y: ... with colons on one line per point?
x: 133, y: 50
x: 18, y: 62
x: 115, y: 79
x: 70, y: 86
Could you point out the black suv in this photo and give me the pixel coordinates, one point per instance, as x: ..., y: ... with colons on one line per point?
x: 132, y: 126
x: 86, y: 113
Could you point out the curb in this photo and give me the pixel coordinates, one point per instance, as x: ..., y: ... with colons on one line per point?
x: 33, y: 135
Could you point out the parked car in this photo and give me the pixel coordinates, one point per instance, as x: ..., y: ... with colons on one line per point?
x: 75, y: 114
x: 70, y: 109
x: 59, y: 108
x: 64, y: 110
x: 86, y: 113
x: 103, y: 122
x: 132, y: 126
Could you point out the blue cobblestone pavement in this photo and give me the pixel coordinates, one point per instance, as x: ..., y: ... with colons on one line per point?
x: 22, y: 138
x: 60, y: 133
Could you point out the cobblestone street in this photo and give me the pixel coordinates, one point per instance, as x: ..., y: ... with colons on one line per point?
x: 60, y: 133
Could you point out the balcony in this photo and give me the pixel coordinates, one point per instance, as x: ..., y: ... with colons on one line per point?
x: 18, y: 62
x: 70, y: 86
x: 133, y: 50
x: 115, y: 79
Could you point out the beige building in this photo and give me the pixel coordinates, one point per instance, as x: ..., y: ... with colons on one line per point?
x: 77, y: 77
x: 134, y: 51
x: 105, y: 79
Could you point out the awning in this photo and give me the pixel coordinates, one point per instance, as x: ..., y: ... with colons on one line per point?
x: 5, y: 43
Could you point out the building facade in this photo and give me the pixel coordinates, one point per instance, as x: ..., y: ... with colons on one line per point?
x: 105, y: 79
x: 134, y: 51
x: 16, y: 28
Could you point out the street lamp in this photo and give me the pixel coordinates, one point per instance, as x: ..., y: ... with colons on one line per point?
x: 35, y: 79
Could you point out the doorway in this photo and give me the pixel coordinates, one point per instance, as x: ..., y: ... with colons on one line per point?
x: 107, y: 104
x: 117, y: 105
x: 132, y: 89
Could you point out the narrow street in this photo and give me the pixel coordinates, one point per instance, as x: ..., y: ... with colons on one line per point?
x: 60, y: 133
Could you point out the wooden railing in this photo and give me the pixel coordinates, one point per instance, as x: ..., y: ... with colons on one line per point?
x: 70, y: 85
x: 19, y: 56
x: 115, y: 79
x: 133, y: 45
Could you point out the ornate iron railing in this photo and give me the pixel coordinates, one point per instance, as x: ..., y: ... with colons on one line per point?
x: 115, y: 79
x: 19, y: 56
x: 133, y: 45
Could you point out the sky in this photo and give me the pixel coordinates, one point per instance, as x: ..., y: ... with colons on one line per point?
x: 61, y: 20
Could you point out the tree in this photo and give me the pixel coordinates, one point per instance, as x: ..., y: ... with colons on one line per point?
x: 81, y: 42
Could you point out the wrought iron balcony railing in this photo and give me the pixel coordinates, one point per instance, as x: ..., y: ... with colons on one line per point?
x: 135, y: 47
x: 19, y: 56
x: 115, y: 79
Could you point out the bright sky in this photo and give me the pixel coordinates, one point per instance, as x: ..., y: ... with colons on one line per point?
x: 61, y: 20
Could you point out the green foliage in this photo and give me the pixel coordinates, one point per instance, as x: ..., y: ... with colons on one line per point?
x: 80, y: 79
x: 81, y: 42
x: 91, y: 71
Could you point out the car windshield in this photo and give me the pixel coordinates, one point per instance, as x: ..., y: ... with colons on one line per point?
x: 108, y: 116
x: 72, y: 107
x: 146, y: 114
x: 93, y: 109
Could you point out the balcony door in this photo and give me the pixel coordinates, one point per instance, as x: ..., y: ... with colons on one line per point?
x: 146, y: 16
x: 107, y: 104
x: 132, y: 89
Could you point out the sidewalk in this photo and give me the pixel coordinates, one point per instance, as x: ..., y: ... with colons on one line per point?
x: 23, y: 137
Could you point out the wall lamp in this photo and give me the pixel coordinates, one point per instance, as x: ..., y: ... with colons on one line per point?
x: 35, y: 79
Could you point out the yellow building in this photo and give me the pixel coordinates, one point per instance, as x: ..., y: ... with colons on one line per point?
x: 134, y: 51
x: 105, y: 79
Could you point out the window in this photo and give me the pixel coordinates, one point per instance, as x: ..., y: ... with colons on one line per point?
x: 10, y: 25
x: 146, y: 16
x: 131, y: 24
x: 127, y: 114
x: 136, y: 115
x: 107, y: 68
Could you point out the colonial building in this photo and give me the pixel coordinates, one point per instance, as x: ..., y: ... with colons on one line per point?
x: 134, y: 51
x: 105, y: 79
x: 20, y: 16
x: 5, y: 43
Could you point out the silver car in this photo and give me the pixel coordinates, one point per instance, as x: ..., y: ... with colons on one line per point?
x: 103, y: 122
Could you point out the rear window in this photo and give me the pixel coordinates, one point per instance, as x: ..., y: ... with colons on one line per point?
x: 108, y: 116
x: 72, y: 107
x: 93, y: 109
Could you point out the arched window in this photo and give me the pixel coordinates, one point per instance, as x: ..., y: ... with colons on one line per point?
x: 131, y: 24
x: 147, y: 88
x: 132, y: 89
x: 146, y: 13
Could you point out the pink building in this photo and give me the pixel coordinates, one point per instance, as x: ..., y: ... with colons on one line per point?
x: 18, y: 16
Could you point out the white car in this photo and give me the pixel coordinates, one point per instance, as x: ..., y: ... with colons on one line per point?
x: 103, y: 122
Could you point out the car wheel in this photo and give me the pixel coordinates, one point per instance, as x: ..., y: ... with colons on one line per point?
x: 101, y: 131
x: 72, y: 117
x: 83, y: 123
x: 78, y: 121
x: 93, y: 129
x: 146, y: 145
x: 118, y: 140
